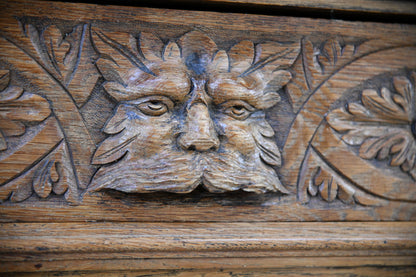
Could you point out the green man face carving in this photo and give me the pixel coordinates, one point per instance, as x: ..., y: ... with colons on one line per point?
x: 189, y: 114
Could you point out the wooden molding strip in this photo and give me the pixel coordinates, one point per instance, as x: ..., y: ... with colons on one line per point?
x: 207, y: 245
x: 373, y: 6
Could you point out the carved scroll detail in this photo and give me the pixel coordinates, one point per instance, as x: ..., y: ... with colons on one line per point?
x: 383, y: 124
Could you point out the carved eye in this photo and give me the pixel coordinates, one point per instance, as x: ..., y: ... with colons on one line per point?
x: 155, y: 105
x: 238, y: 109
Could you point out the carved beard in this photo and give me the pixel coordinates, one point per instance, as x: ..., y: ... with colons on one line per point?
x: 141, y: 155
x: 183, y: 172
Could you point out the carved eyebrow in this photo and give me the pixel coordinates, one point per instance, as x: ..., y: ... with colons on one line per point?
x: 177, y: 90
x: 227, y: 91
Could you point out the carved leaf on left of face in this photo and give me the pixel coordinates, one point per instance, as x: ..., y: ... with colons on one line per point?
x: 383, y: 125
x: 115, y: 146
x: 40, y: 157
x: 66, y: 57
x: 17, y: 107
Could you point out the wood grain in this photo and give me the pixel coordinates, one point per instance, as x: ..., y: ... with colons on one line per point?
x: 204, y: 245
x: 137, y: 141
x: 373, y: 6
x: 98, y: 73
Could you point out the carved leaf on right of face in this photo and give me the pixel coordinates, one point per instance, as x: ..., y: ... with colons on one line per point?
x: 383, y: 125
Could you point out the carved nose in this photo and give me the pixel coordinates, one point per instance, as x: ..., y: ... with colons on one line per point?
x: 199, y: 132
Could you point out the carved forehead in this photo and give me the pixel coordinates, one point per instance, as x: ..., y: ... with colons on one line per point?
x: 223, y: 87
x: 170, y: 79
x: 244, y: 72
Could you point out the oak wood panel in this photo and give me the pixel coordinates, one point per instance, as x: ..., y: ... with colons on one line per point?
x: 360, y: 271
x: 376, y: 6
x: 312, y: 150
x: 323, y: 111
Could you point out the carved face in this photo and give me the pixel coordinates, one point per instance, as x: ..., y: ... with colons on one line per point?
x: 191, y: 116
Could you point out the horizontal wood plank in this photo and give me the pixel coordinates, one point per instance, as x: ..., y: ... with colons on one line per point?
x: 206, y: 245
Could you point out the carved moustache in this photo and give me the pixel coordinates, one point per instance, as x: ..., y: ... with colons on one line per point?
x: 182, y: 172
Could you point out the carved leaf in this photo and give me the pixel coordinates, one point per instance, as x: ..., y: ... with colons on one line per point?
x: 269, y: 152
x: 383, y: 126
x: 318, y: 60
x: 18, y: 107
x: 318, y: 179
x: 172, y: 52
x: 52, y: 173
x: 68, y: 57
x: 241, y: 55
x: 117, y: 58
x: 151, y: 47
x: 115, y: 146
x: 38, y: 157
x: 220, y: 62
x: 273, y: 56
x: 42, y: 183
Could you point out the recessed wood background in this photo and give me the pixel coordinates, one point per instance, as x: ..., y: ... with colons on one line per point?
x: 344, y: 134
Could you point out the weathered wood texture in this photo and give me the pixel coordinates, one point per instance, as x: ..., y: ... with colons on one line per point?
x: 164, y: 101
x: 371, y: 6
x: 188, y: 135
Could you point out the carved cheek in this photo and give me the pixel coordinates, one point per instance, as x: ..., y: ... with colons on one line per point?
x: 154, y: 135
x: 238, y: 136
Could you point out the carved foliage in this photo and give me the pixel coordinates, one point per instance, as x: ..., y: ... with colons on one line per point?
x: 318, y: 60
x: 17, y: 107
x: 68, y: 56
x: 190, y: 113
x: 383, y: 124
x: 41, y: 168
x: 321, y: 180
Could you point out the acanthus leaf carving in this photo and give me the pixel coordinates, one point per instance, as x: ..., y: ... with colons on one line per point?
x: 42, y: 168
x: 318, y: 60
x: 319, y: 179
x: 382, y: 125
x: 67, y: 56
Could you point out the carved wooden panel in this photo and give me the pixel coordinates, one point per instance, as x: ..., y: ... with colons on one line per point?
x: 144, y: 115
x: 272, y: 120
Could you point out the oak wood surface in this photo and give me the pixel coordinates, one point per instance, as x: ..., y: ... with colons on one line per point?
x: 114, y: 246
x: 374, y: 6
x: 339, y: 147
x: 369, y: 50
